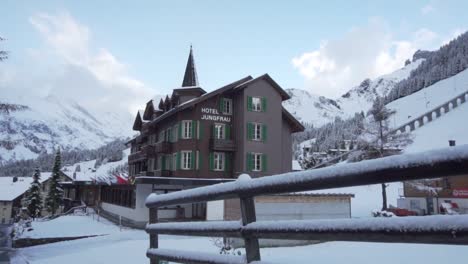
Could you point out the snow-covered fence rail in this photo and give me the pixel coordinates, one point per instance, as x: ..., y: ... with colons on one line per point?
x: 433, y: 229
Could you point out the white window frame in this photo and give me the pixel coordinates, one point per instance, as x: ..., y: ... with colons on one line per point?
x: 186, y: 159
x: 257, y: 127
x: 257, y: 157
x: 219, y: 161
x: 187, y: 129
x: 227, y: 106
x: 256, y: 104
x: 158, y: 163
x: 220, y: 133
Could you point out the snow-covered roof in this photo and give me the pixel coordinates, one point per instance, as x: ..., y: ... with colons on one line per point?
x: 296, y: 166
x: 10, y: 190
x: 307, y: 143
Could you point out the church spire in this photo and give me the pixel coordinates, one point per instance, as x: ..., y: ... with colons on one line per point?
x: 190, y: 76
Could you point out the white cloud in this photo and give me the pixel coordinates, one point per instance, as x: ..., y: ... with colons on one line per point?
x: 363, y: 52
x: 429, y: 8
x: 69, y: 66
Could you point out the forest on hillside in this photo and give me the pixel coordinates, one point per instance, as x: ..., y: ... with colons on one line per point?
x: 107, y: 153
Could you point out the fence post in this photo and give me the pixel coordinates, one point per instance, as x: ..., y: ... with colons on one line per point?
x: 153, y: 218
x: 252, y: 249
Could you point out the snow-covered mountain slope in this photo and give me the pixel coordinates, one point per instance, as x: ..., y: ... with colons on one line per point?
x: 416, y: 104
x: 311, y: 108
x: 360, y: 98
x: 29, y: 126
x: 436, y: 134
x: 105, y: 172
x: 319, y: 110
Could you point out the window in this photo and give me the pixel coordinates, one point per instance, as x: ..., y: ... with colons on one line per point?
x: 186, y: 160
x: 256, y: 104
x: 219, y: 161
x: 220, y: 131
x: 227, y: 106
x: 257, y: 131
x: 187, y: 129
x: 257, y: 162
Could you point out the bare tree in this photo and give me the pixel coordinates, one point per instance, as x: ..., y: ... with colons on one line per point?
x: 378, y: 140
x: 3, y: 53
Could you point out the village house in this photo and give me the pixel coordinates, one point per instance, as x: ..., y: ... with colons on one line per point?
x: 12, y: 191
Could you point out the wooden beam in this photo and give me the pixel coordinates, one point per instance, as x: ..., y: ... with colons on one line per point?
x: 252, y: 248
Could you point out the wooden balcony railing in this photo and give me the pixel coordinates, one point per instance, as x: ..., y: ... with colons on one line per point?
x: 421, y: 229
x: 222, y: 144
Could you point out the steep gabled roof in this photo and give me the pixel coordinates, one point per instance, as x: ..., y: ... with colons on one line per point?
x: 296, y: 126
x: 267, y: 78
x: 149, y: 110
x: 190, y: 76
x: 202, y: 98
x: 138, y: 122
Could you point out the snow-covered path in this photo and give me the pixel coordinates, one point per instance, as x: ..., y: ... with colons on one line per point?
x: 129, y: 246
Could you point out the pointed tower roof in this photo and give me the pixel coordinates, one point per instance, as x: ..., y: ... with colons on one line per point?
x: 190, y: 76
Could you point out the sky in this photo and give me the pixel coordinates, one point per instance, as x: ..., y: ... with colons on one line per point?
x: 122, y: 53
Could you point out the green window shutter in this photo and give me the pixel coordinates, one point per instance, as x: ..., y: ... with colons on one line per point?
x: 249, y: 131
x: 227, y: 162
x: 178, y: 161
x: 194, y: 124
x: 264, y: 162
x: 249, y: 103
x: 220, y: 104
x: 228, y: 131
x: 198, y: 160
x: 264, y: 132
x: 249, y: 161
x: 200, y: 130
x: 163, y: 162
x: 264, y: 104
x: 192, y: 160
x: 211, y: 161
x: 180, y: 130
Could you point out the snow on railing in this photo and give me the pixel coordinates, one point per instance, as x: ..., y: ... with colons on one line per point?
x: 445, y: 162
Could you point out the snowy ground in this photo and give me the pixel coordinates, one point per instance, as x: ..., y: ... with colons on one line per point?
x: 129, y: 246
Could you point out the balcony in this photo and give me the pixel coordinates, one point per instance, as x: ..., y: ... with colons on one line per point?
x: 137, y: 156
x: 222, y: 144
x: 163, y: 147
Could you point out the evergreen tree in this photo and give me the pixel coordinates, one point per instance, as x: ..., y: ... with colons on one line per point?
x: 34, y: 198
x: 55, y: 195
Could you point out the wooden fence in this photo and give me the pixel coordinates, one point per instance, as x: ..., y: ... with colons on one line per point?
x: 446, y: 162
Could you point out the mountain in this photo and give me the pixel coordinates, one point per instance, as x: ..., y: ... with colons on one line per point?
x: 319, y: 110
x: 30, y: 126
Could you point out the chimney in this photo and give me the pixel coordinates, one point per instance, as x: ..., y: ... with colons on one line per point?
x: 452, y: 143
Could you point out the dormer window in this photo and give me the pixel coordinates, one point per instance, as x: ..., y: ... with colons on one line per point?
x: 226, y: 107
